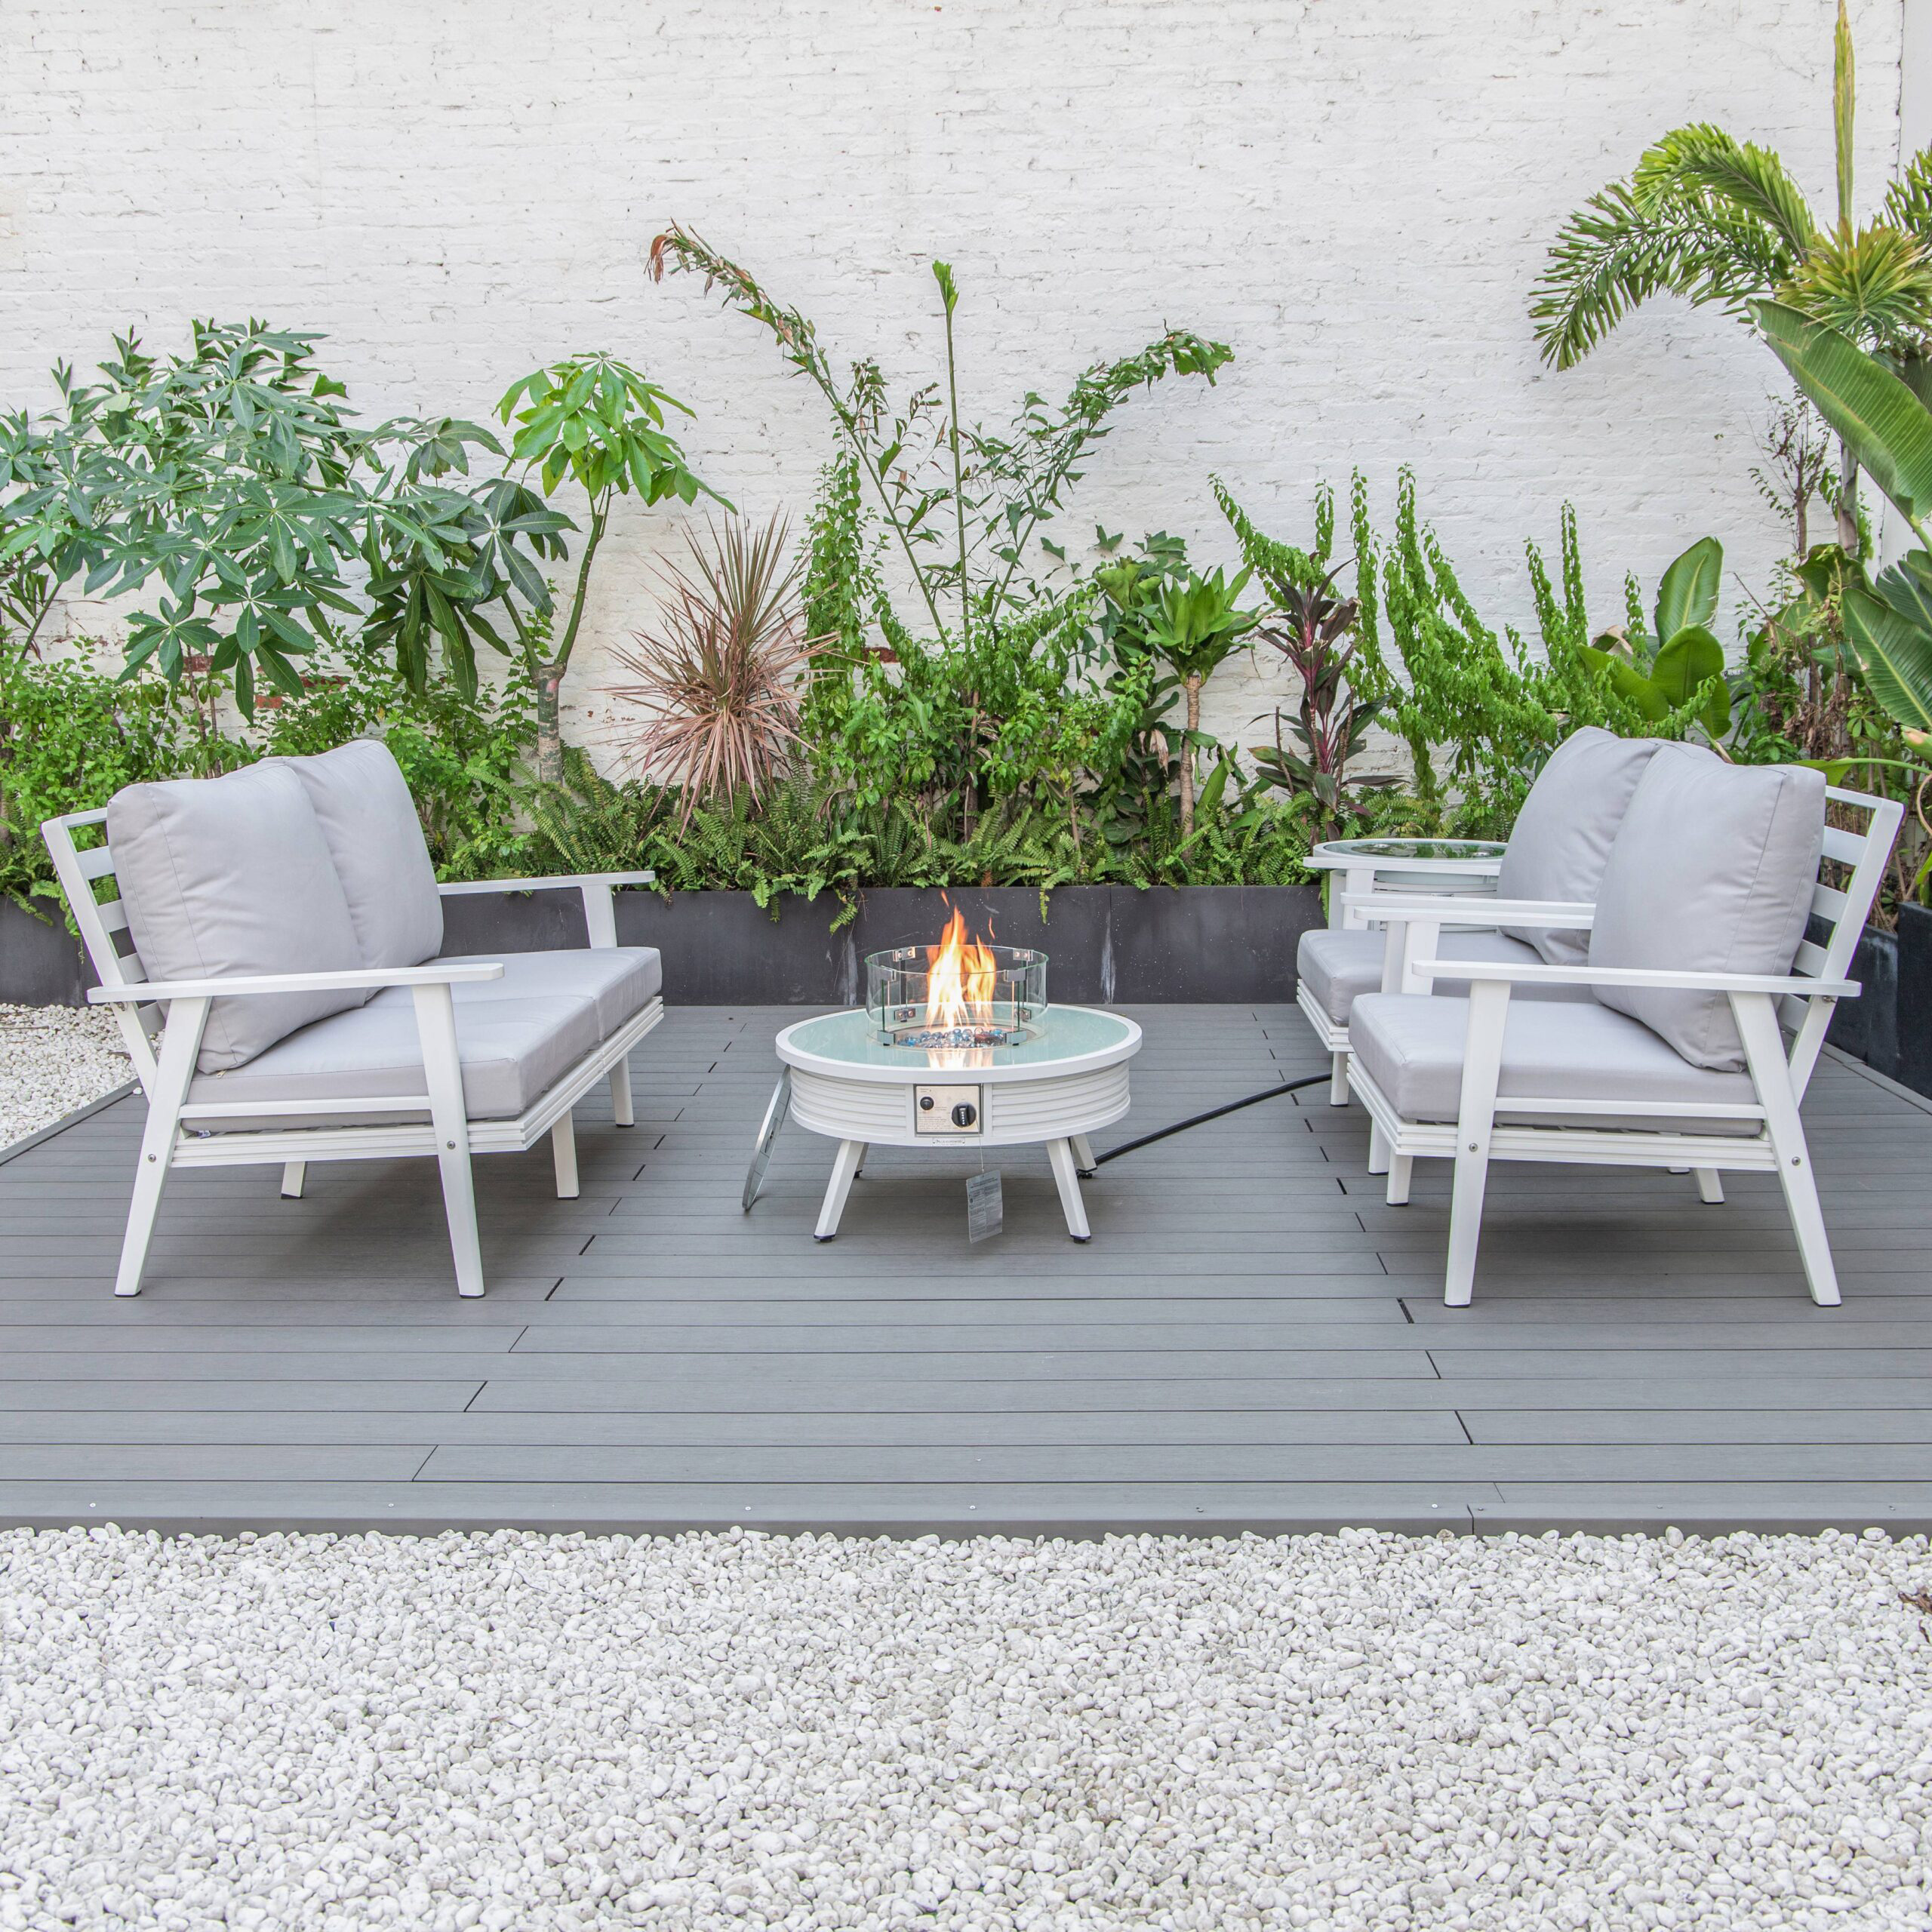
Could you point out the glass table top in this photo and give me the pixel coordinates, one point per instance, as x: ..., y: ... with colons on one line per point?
x: 1063, y: 1032
x: 1413, y: 848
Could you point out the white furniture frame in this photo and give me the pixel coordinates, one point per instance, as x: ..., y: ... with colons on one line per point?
x: 1803, y: 1000
x: 1361, y: 877
x: 181, y: 1134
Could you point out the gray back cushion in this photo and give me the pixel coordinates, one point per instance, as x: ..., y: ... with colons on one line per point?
x: 363, y: 805
x: 1711, y: 873
x: 1563, y: 834
x: 222, y: 876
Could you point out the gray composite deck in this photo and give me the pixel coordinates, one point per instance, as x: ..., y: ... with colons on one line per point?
x: 1252, y: 1341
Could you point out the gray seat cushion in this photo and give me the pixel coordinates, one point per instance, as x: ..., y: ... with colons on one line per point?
x: 1563, y: 835
x: 1412, y: 1048
x: 362, y: 803
x: 1712, y: 872
x: 232, y: 875
x: 617, y: 980
x: 1338, y: 967
x: 512, y: 1050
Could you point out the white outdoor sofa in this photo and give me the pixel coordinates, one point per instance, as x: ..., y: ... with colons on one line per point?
x: 283, y: 928
x: 1662, y: 1044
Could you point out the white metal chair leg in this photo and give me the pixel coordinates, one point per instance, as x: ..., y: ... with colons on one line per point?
x: 295, y: 1177
x: 1401, y: 1167
x: 621, y: 1108
x: 181, y: 1046
x: 1379, y: 1156
x: 1764, y: 1049
x: 1475, y: 1122
x: 563, y: 1152
x: 1338, y: 1080
x: 1710, y: 1187
x: 851, y: 1157
x: 1067, y: 1179
x: 435, y: 1027
x: 1083, y: 1155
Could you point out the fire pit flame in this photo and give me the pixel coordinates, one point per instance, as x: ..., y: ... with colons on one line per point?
x: 959, y: 983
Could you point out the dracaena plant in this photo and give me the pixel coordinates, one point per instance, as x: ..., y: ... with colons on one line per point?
x: 716, y: 677
x: 1714, y: 219
x: 1313, y: 627
x: 231, y: 492
x: 594, y: 422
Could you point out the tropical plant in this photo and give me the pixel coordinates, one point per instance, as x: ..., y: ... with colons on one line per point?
x: 1676, y: 661
x: 235, y: 482
x: 717, y: 677
x: 598, y: 422
x: 962, y: 505
x: 1314, y: 629
x: 1715, y: 220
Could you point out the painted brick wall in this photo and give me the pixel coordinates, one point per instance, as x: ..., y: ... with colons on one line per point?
x: 1357, y: 196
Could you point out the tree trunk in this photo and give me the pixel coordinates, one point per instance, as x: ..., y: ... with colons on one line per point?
x: 1193, y: 684
x: 1848, y: 501
x: 550, y: 734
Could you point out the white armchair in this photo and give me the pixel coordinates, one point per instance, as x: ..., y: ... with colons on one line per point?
x: 1645, y: 1052
x: 282, y: 927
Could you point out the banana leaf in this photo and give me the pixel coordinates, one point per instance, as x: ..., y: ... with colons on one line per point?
x: 1885, y: 426
x: 1688, y: 592
x: 1895, y: 653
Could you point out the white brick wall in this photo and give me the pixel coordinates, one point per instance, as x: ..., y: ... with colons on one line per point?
x: 1357, y: 196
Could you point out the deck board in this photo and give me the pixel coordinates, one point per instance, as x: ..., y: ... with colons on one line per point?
x: 1253, y: 1341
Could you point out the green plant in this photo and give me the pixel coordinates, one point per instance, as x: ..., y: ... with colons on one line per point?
x: 960, y: 505
x: 1715, y: 220
x: 717, y: 678
x: 1314, y: 629
x: 1676, y: 661
x: 233, y: 483
x: 70, y: 737
x: 598, y: 422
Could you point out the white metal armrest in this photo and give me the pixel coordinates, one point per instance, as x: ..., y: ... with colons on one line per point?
x: 148, y: 992
x: 1780, y: 985
x: 1452, y: 910
x: 599, y: 890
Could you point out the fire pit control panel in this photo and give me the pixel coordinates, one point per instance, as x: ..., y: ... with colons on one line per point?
x: 946, y: 1110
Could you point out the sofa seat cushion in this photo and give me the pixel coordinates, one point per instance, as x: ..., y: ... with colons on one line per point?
x: 1339, y: 967
x: 1412, y: 1046
x: 619, y: 981
x: 361, y: 801
x: 1563, y: 835
x: 512, y: 1050
x: 1712, y: 872
x: 223, y: 877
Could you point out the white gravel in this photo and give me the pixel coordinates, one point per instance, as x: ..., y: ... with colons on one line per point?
x: 510, y: 1731
x: 53, y: 1059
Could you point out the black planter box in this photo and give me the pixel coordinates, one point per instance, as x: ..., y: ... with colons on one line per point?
x: 42, y: 963
x: 1219, y: 944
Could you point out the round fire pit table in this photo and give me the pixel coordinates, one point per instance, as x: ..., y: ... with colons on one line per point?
x: 1066, y: 1081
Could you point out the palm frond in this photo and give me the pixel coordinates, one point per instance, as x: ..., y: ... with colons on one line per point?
x: 1703, y: 163
x: 1612, y: 254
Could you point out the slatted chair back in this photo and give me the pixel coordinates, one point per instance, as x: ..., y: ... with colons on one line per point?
x: 1843, y: 910
x: 104, y: 929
